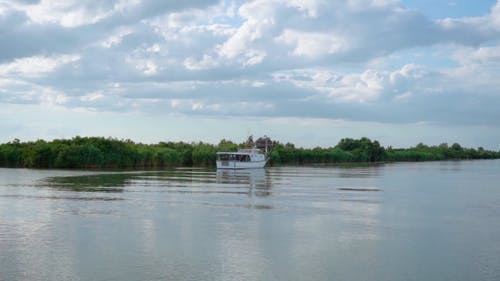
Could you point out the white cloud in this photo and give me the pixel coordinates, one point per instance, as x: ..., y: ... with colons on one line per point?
x: 312, y: 44
x: 282, y: 59
x: 355, y: 87
x: 240, y: 42
x: 147, y: 67
x: 35, y: 66
x: 155, y: 48
x: 68, y: 13
x: 53, y: 98
x: 495, y: 15
x: 254, y: 57
x: 206, y: 62
x: 404, y: 96
x: 204, y: 107
x: 116, y: 38
x: 481, y: 55
x: 259, y: 20
x: 92, y: 97
x: 309, y: 6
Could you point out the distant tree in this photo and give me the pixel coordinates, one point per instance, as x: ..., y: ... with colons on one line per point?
x: 226, y: 145
x: 421, y: 146
x: 443, y: 145
x: 364, y: 149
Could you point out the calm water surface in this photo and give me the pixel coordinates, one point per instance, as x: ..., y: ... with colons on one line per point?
x: 411, y: 221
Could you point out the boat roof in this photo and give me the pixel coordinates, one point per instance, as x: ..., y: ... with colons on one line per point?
x: 233, y: 153
x: 245, y: 151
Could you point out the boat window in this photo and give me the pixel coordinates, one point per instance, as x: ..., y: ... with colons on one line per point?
x: 234, y: 157
x: 223, y: 157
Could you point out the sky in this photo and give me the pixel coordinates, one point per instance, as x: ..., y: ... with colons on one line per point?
x: 308, y: 72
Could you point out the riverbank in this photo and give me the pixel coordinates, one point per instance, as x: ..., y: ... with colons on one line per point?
x: 99, y: 152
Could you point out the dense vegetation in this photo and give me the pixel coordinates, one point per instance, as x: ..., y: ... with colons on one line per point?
x: 98, y: 152
x: 365, y: 150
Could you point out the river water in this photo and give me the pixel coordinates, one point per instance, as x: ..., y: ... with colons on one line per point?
x: 402, y: 221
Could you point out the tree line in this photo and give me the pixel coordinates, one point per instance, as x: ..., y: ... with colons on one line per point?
x: 99, y: 152
x: 366, y: 150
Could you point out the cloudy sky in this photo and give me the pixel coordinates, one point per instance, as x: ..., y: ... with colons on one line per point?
x: 305, y: 71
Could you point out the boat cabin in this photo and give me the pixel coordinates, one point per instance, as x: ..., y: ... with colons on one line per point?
x: 243, y: 158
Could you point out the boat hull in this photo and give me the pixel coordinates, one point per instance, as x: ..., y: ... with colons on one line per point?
x: 232, y: 165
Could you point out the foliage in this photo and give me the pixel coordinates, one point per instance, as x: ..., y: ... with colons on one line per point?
x: 365, y: 150
x: 423, y: 152
x: 98, y: 152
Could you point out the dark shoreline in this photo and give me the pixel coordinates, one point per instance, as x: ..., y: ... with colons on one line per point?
x: 96, y: 153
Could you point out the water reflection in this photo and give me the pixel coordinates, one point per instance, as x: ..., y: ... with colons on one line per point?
x: 279, y: 223
x: 358, y: 189
x: 62, y: 197
x: 88, y: 183
x: 356, y: 172
x: 185, y: 181
x: 248, y: 206
x: 256, y: 180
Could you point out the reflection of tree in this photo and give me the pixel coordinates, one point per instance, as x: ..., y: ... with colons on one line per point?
x: 90, y: 183
x: 255, y: 180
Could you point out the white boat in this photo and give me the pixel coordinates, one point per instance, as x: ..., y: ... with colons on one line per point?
x: 247, y: 158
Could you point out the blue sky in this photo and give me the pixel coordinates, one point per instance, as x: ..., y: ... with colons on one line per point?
x: 303, y: 71
x: 436, y: 9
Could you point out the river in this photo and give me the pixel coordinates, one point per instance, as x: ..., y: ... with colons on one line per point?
x: 400, y: 221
